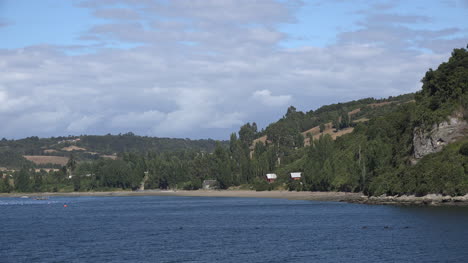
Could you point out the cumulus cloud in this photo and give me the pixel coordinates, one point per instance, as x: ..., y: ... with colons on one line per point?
x: 81, y: 124
x: 198, y: 108
x: 9, y: 104
x: 202, y: 68
x: 265, y: 97
x: 219, y: 24
x: 133, y: 120
x: 226, y: 120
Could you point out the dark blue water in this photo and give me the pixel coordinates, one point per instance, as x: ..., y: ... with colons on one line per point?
x: 198, y: 229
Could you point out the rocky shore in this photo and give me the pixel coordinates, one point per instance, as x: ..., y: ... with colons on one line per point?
x: 427, y: 200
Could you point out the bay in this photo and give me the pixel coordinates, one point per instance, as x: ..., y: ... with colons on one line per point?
x: 206, y: 229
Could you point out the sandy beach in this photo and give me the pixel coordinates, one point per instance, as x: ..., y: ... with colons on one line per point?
x: 316, y: 196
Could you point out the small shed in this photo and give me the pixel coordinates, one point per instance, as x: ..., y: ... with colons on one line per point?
x: 271, y: 177
x: 210, y: 184
x: 296, y: 176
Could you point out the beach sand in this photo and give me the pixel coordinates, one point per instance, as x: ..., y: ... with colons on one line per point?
x: 317, y: 196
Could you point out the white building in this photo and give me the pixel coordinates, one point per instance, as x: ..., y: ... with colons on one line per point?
x: 296, y: 176
x: 271, y: 177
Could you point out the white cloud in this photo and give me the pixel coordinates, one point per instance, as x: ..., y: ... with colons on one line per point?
x: 133, y: 120
x: 233, y: 72
x: 82, y: 123
x: 265, y: 97
x: 226, y: 121
x: 9, y: 104
x: 198, y: 108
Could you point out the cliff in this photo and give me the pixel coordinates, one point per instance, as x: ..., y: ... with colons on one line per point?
x: 433, y: 140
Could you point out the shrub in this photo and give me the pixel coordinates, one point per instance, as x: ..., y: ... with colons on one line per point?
x: 464, y: 149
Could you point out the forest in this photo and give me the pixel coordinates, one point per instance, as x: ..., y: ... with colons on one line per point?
x: 376, y: 158
x: 91, y: 147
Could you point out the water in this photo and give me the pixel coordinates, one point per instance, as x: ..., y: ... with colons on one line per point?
x: 201, y: 229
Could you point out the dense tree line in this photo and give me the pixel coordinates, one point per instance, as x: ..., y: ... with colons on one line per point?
x: 11, y: 151
x: 12, y: 159
x: 130, y: 142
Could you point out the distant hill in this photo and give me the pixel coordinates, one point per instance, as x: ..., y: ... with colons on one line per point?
x: 50, y: 152
x: 335, y: 119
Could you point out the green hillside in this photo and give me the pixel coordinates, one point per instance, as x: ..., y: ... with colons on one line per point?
x: 91, y: 147
x: 409, y: 144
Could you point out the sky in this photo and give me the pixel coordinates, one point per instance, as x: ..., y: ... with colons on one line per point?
x: 202, y: 68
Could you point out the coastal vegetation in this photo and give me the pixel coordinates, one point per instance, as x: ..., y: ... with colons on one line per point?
x: 374, y: 156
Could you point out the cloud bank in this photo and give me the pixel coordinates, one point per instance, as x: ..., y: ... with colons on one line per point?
x: 201, y: 68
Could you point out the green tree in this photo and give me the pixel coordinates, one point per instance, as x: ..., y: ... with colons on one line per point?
x: 22, y: 181
x: 345, y: 121
x: 464, y: 149
x: 37, y: 185
x: 5, y: 186
x: 247, y: 133
x: 71, y: 166
x: 2, y: 186
x: 336, y: 124
x: 319, y: 167
x: 322, y: 127
x: 76, y: 181
x: 222, y: 167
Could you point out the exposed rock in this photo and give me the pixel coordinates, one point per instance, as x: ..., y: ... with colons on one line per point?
x: 426, y: 142
x: 461, y: 198
x: 430, y: 200
x: 407, y: 198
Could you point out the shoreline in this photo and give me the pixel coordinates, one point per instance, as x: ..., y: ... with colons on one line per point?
x: 291, y: 195
x: 357, y: 198
x: 412, y: 200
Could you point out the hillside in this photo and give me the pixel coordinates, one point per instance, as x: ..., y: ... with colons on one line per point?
x: 409, y: 144
x: 51, y: 152
x: 335, y: 120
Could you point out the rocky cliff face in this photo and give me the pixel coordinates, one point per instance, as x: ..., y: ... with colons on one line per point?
x: 426, y: 142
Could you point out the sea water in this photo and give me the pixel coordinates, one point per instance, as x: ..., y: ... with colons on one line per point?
x: 204, y: 229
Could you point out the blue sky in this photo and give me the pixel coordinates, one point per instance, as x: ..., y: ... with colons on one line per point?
x: 202, y: 68
x: 319, y: 23
x: 59, y: 22
x: 55, y: 22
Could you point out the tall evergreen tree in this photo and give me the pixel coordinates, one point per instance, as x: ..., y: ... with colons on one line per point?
x: 22, y: 181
